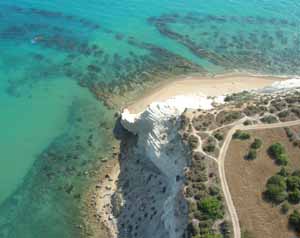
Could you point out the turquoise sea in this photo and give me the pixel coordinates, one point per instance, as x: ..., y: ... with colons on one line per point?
x: 62, y: 61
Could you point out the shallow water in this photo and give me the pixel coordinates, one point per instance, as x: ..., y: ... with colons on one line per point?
x: 57, y: 58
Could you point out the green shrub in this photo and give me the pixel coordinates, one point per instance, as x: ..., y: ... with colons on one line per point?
x: 256, y: 144
x: 209, y: 148
x: 289, y: 132
x: 269, y: 119
x: 219, y: 136
x: 293, y: 182
x: 294, y: 220
x: 214, y: 190
x: 193, y: 141
x: 294, y: 196
x: 211, y: 207
x: 277, y: 180
x: 275, y: 193
x: 198, y: 215
x: 296, y: 173
x: 276, y: 189
x: 276, y: 149
x: 282, y: 159
x: 225, y: 229
x: 200, y: 194
x: 252, y: 155
x: 285, y: 207
x: 241, y: 135
x: 228, y: 98
x: 193, y: 229
x: 283, y: 113
x: 208, y: 236
x: 283, y: 172
x: 247, y: 123
x: 192, y: 206
x: 277, y: 152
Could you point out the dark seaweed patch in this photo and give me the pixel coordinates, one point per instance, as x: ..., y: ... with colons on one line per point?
x: 237, y: 47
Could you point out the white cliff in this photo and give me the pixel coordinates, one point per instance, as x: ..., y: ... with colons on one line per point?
x: 153, y: 125
x: 157, y: 141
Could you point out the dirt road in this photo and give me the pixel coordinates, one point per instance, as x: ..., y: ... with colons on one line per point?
x: 221, y: 167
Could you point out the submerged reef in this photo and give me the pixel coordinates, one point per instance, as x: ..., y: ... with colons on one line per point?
x: 225, y: 41
x: 108, y: 75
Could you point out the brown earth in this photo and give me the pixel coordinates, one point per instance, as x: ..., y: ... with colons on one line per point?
x: 247, y: 181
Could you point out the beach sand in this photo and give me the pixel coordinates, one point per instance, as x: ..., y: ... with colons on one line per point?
x: 199, y: 85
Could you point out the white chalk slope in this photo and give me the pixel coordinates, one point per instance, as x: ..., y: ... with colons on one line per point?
x: 156, y: 128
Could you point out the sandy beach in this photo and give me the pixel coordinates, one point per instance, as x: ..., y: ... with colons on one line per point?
x: 197, y: 85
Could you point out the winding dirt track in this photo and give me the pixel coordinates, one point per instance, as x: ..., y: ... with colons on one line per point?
x: 221, y: 167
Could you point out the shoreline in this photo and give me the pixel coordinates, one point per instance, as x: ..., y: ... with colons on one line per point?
x: 191, y: 85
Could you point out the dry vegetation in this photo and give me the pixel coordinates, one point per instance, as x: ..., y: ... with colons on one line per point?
x: 247, y: 180
x: 207, y: 213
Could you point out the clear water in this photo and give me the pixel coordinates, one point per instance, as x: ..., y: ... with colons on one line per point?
x: 57, y: 57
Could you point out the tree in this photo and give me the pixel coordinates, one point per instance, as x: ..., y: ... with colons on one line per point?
x: 294, y: 196
x: 211, y: 207
x: 256, y: 144
x: 193, y: 228
x: 241, y: 135
x: 276, y: 189
x: 275, y: 193
x: 294, y: 220
x: 283, y: 172
x: 282, y: 159
x: 209, y: 148
x: 276, y: 149
x: 225, y: 229
x: 285, y: 207
x: 251, y: 155
x: 208, y: 236
x: 219, y: 136
x: 277, y: 152
x: 296, y: 173
x: 293, y: 182
x: 277, y: 180
x: 214, y: 190
x: 193, y: 142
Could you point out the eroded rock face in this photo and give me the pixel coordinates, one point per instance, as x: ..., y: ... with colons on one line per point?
x: 163, y: 158
x: 153, y: 165
x: 156, y: 127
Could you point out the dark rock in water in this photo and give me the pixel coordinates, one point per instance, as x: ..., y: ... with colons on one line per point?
x: 283, y: 21
x: 77, y: 196
x: 279, y: 34
x: 38, y: 57
x: 94, y: 47
x: 98, y: 53
x: 119, y: 36
x: 69, y: 188
x: 93, y: 68
x: 13, y: 32
x: 96, y: 26
x: 107, y: 31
